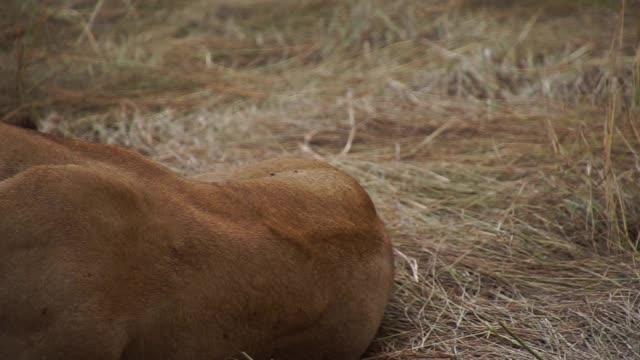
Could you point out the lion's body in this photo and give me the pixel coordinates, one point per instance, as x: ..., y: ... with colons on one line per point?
x: 106, y: 255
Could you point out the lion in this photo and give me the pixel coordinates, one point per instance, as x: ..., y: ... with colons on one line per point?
x: 105, y: 254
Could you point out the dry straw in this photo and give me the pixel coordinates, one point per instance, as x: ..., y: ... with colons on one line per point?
x: 500, y: 143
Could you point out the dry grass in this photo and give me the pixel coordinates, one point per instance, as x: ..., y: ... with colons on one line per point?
x: 500, y: 143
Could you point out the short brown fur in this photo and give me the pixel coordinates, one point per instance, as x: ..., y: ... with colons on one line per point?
x: 106, y: 255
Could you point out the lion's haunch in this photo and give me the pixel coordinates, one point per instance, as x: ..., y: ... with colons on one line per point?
x: 106, y: 255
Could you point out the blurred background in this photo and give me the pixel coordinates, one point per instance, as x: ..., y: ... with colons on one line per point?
x: 500, y: 140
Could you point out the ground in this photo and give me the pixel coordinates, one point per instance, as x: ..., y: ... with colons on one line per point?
x: 500, y: 143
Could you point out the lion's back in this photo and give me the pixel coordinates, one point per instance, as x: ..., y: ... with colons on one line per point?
x: 55, y: 221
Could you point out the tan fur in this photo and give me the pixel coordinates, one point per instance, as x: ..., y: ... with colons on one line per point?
x: 106, y: 255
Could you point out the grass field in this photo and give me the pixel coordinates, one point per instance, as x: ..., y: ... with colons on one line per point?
x: 500, y: 143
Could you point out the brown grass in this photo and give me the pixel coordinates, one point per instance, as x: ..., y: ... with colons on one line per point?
x: 500, y: 143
